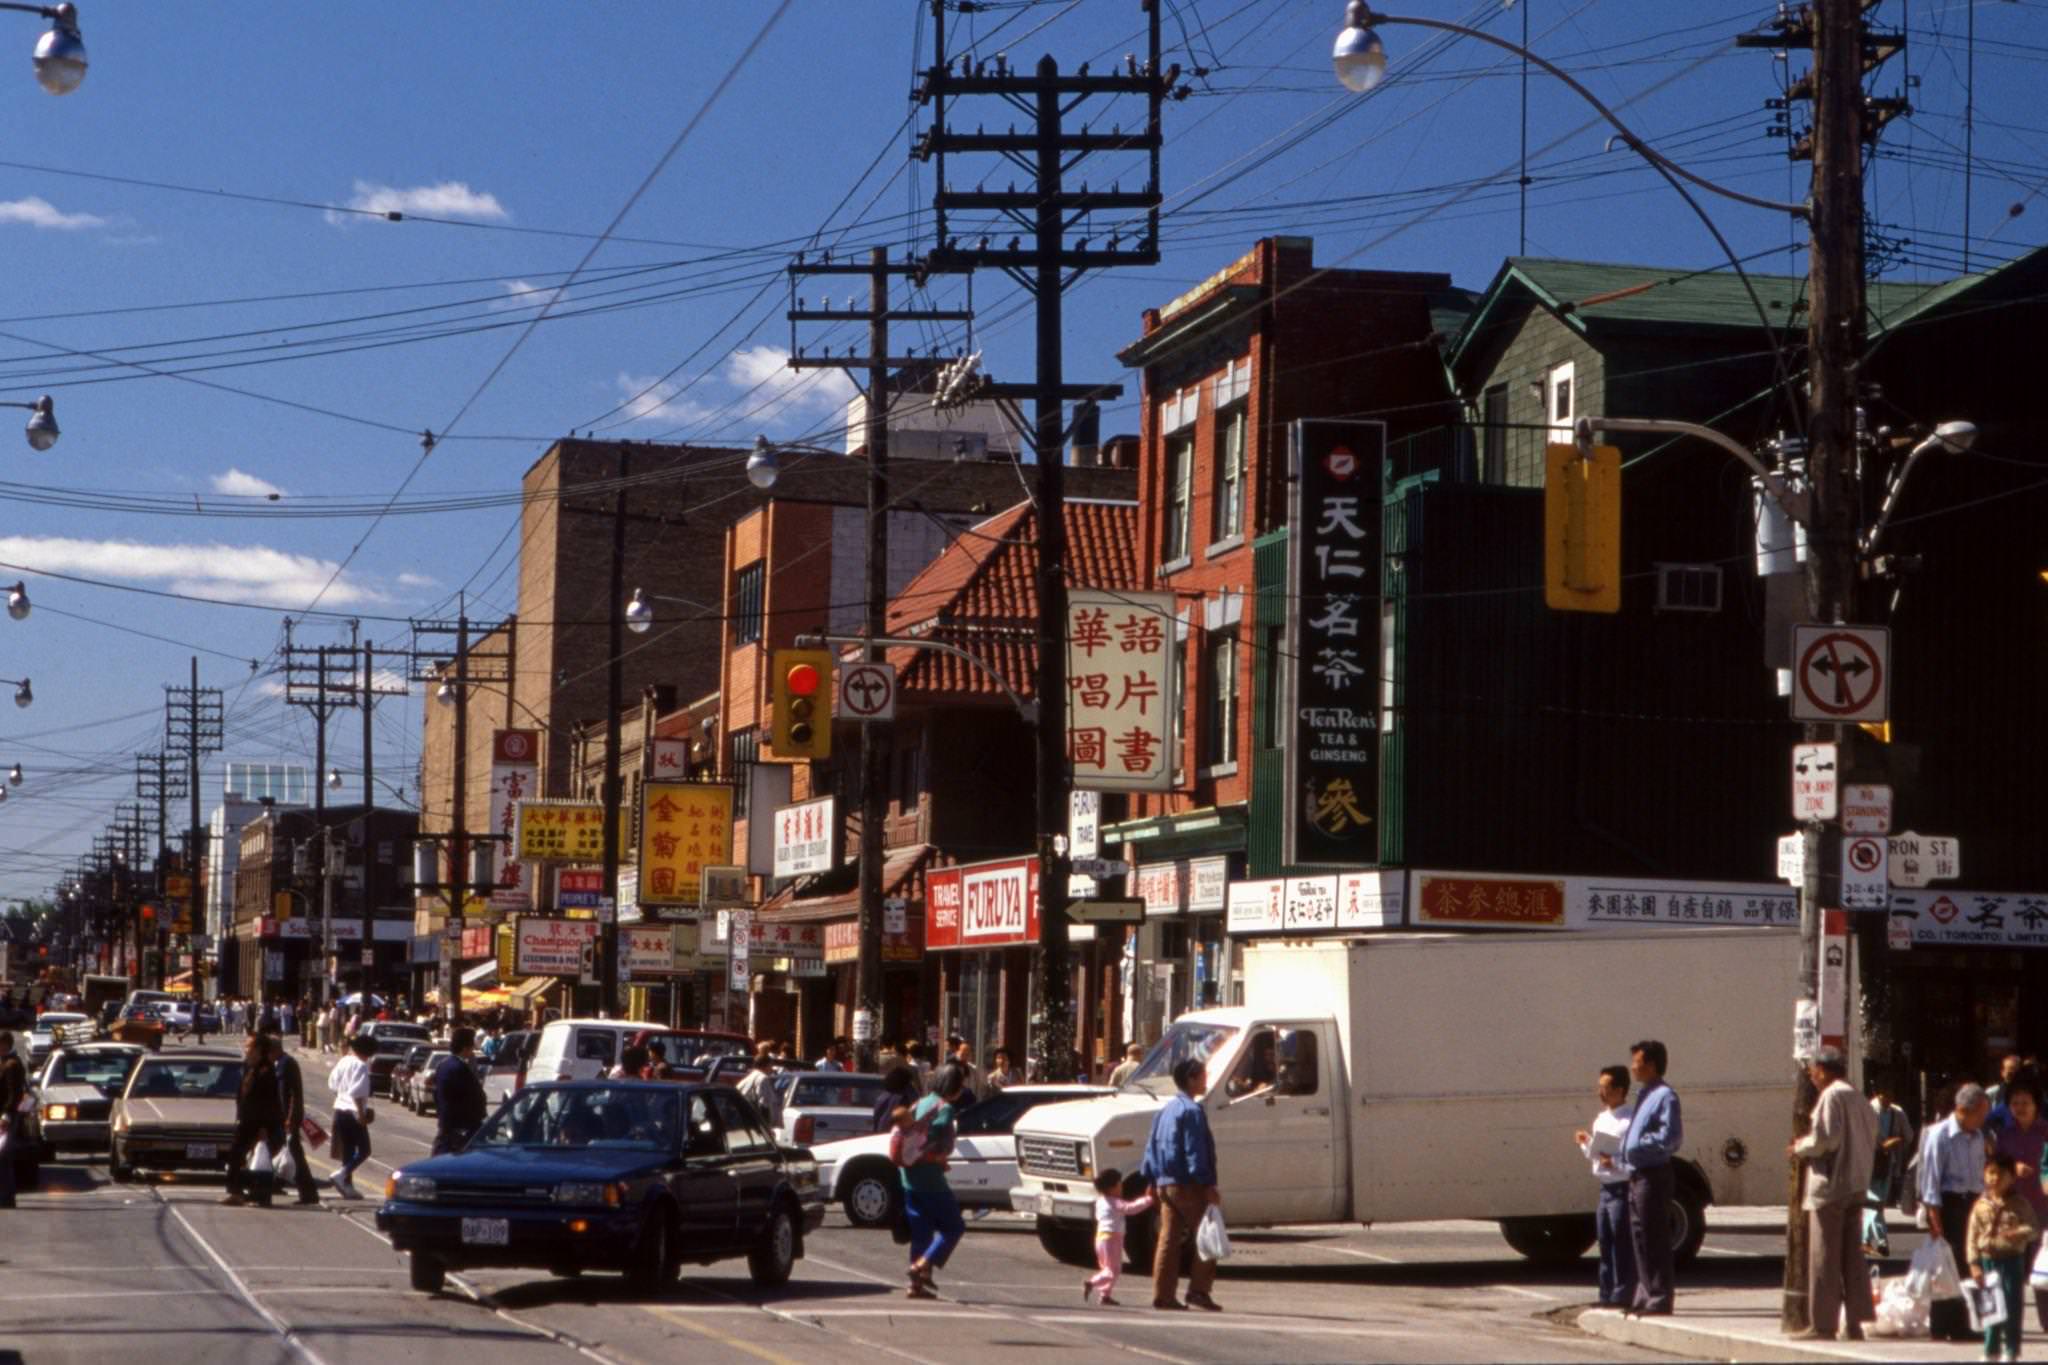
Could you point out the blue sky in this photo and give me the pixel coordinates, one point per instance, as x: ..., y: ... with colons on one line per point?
x: 188, y: 210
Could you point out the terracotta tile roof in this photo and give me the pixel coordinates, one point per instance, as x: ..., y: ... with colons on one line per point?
x: 829, y: 894
x: 981, y: 595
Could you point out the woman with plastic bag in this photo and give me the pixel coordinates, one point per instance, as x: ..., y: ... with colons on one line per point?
x: 259, y: 1126
x: 2024, y: 1138
x: 1180, y: 1162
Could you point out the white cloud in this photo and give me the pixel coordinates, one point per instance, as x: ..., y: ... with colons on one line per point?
x: 417, y: 580
x: 237, y: 484
x: 527, y: 294
x: 763, y: 391
x: 41, y: 213
x: 650, y: 400
x: 449, y: 199
x: 236, y: 573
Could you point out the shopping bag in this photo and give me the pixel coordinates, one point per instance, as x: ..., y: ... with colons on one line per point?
x: 1898, y: 1313
x: 1985, y: 1303
x: 315, y: 1135
x: 260, y: 1160
x: 1931, y: 1274
x: 2038, y: 1279
x: 1212, y: 1239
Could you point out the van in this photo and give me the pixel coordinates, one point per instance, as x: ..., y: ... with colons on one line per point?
x: 586, y: 1049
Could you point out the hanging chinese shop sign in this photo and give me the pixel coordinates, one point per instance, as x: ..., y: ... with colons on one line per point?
x: 804, y: 838
x: 1120, y: 701
x: 987, y: 905
x: 684, y: 826
x: 1333, y: 632
x: 515, y: 777
x: 561, y: 831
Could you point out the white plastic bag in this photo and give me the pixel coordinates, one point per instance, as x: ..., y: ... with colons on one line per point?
x: 1932, y: 1272
x: 2038, y: 1279
x: 1212, y: 1239
x: 260, y: 1160
x: 1899, y: 1314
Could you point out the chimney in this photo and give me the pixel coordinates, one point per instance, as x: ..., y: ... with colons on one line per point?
x: 1120, y: 452
x: 1087, y: 440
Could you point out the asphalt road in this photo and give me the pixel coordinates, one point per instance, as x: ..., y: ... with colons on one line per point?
x: 161, y: 1273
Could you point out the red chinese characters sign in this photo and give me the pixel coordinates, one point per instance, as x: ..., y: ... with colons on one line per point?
x: 842, y: 942
x: 987, y: 905
x: 1120, y: 697
x: 515, y: 777
x: 1506, y: 902
x: 684, y: 826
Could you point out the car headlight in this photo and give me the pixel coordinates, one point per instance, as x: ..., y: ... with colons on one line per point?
x: 416, y: 1189
x: 589, y: 1192
x: 804, y: 1174
x: 121, y: 1123
x: 1085, y: 1160
x: 56, y: 1113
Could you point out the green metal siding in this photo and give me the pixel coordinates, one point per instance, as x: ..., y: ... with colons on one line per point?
x: 1269, y: 775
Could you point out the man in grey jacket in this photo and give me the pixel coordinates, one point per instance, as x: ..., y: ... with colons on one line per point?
x: 1838, y: 1154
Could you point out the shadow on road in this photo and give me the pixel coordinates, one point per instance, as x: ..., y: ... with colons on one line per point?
x: 604, y: 1289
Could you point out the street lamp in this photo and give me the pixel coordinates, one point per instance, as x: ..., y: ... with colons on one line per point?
x: 24, y: 695
x: 762, y: 466
x: 14, y: 776
x: 639, y: 615
x: 42, y: 420
x: 1360, y: 57
x: 60, y: 53
x: 17, y: 602
x: 1951, y: 438
x: 334, y: 779
x: 445, y: 694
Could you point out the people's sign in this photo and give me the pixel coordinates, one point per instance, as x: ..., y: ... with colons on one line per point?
x: 1333, y: 631
x: 1120, y: 697
x: 561, y: 831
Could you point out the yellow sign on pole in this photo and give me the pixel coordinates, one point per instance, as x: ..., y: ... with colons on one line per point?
x: 1582, y: 529
x: 684, y: 828
x: 562, y: 831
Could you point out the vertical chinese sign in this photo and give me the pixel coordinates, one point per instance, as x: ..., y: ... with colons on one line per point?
x: 1333, y: 631
x: 515, y: 777
x: 684, y: 828
x: 1120, y: 697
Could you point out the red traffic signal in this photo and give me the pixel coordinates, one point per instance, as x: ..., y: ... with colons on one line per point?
x: 802, y: 680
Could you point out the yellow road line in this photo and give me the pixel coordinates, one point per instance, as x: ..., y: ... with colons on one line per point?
x: 760, y: 1352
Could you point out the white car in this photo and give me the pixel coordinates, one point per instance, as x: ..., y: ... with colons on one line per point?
x: 825, y: 1106
x: 859, y: 1175
x: 43, y: 1036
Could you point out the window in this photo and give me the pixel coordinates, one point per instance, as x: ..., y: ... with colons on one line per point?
x: 1493, y: 412
x: 1559, y: 401
x: 1180, y: 474
x: 747, y: 605
x: 1688, y: 587
x: 744, y: 1130
x: 1180, y: 701
x: 742, y: 752
x: 594, y: 1044
x: 1230, y: 434
x: 1219, y: 687
x: 1273, y: 725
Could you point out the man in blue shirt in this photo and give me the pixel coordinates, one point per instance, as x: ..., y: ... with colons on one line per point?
x: 1180, y: 1161
x: 1951, y: 1177
x: 1655, y: 1134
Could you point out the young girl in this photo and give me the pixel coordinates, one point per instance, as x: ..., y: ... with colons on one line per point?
x: 1110, y: 1213
x: 2002, y: 1227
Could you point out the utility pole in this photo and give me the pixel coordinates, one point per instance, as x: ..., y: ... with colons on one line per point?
x: 1048, y: 210
x: 317, y: 679
x: 874, y: 753
x: 615, y: 689
x: 194, y: 717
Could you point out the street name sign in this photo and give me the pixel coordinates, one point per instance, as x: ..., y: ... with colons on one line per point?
x: 1918, y: 860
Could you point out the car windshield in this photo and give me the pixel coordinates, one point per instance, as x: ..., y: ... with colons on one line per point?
x: 91, y: 1068
x: 837, y: 1092
x: 186, y: 1078
x: 617, y: 1117
x: 1180, y: 1042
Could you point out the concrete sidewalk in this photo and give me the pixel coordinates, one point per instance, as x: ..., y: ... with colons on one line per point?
x: 1742, y: 1324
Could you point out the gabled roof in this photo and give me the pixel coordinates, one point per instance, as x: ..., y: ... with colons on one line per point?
x: 981, y: 595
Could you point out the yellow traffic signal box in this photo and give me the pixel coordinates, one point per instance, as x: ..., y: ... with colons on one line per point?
x: 802, y: 683
x: 1582, y: 529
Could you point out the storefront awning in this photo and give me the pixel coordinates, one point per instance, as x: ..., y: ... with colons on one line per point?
x: 899, y: 872
x: 482, y: 975
x: 531, y: 989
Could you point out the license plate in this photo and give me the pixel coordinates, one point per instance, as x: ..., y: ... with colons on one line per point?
x: 486, y: 1232
x: 202, y: 1151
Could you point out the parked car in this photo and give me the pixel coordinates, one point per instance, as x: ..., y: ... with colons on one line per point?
x: 505, y: 1073
x: 42, y: 1037
x: 75, y: 1095
x: 858, y: 1174
x: 825, y: 1106
x: 394, y: 1041
x: 728, y: 1069
x: 177, y: 1113
x: 635, y: 1176
x: 419, y: 1084
x: 585, y: 1049
x: 401, y: 1075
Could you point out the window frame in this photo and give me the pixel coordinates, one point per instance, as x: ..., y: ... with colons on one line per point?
x: 1178, y: 541
x: 1230, y: 441
x: 749, y: 603
x: 1222, y: 701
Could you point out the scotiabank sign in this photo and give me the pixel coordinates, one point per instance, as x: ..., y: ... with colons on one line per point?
x: 987, y: 905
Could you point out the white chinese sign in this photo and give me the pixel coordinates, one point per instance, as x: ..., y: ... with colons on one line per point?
x: 1919, y: 860
x: 1159, y: 886
x: 1257, y: 907
x: 1370, y: 900
x: 1311, y: 903
x: 803, y: 837
x: 1208, y: 884
x: 668, y: 760
x: 1120, y: 699
x: 515, y: 777
x: 550, y: 947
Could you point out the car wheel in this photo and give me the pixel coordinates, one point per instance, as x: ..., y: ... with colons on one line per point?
x: 428, y: 1273
x: 775, y: 1257
x: 874, y: 1197
x: 654, y: 1266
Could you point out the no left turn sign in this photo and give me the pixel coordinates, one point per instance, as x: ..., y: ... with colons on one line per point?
x: 1841, y: 673
x: 867, y: 692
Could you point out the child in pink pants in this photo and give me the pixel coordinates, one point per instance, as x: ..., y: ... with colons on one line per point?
x: 1110, y: 1212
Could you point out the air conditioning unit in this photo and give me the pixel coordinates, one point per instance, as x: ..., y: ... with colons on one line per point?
x: 1688, y: 587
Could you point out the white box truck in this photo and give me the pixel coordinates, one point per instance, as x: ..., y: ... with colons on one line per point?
x: 1411, y: 1076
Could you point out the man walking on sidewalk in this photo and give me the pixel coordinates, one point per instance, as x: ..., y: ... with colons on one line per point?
x: 1838, y: 1154
x: 1180, y: 1161
x: 1951, y: 1178
x: 1655, y: 1134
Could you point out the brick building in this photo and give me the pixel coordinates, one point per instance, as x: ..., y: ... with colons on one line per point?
x: 279, y: 955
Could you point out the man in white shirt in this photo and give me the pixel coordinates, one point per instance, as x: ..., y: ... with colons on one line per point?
x: 758, y: 1086
x: 1601, y: 1146
x: 350, y: 1082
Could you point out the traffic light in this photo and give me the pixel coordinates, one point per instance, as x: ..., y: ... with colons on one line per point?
x: 1582, y: 529
x: 802, y: 679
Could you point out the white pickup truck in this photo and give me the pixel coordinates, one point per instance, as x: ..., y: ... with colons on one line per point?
x: 1415, y: 1076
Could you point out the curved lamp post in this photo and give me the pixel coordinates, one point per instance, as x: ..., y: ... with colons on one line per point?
x: 765, y: 464
x: 60, y: 53
x: 18, y: 605
x: 42, y: 430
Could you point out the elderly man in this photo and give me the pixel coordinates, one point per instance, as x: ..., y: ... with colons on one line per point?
x: 1951, y: 1178
x: 1837, y: 1154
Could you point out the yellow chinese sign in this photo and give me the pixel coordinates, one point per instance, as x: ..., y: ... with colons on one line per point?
x: 684, y: 827
x: 561, y: 831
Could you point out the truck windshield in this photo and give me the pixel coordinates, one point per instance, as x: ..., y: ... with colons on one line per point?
x: 1181, y: 1041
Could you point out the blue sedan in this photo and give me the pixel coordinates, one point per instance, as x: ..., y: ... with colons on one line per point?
x: 635, y: 1176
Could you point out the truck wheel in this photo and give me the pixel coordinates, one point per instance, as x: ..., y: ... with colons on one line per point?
x: 1557, y: 1240
x: 874, y: 1197
x: 1688, y: 1225
x: 1068, y: 1243
x: 1141, y: 1245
